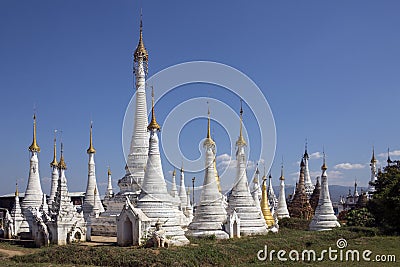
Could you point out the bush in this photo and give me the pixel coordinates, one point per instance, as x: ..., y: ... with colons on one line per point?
x: 360, y: 217
x: 294, y: 223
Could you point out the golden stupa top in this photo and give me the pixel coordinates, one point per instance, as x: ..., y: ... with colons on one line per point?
x: 174, y: 173
x: 282, y: 177
x: 54, y: 163
x: 141, y: 51
x: 16, y: 190
x: 209, y: 141
x: 62, y: 164
x: 373, y: 160
x: 153, y: 125
x: 34, y: 147
x: 109, y: 171
x: 241, y: 141
x: 91, y: 149
x: 324, y: 167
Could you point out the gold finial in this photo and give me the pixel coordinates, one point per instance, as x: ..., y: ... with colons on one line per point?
x: 174, y: 173
x: 141, y: 51
x: 62, y: 164
x: 182, y: 167
x: 34, y: 147
x: 16, y: 189
x: 109, y: 171
x: 373, y: 160
x: 91, y: 149
x: 54, y: 163
x: 153, y: 123
x: 282, y: 177
x: 241, y: 141
x: 324, y: 167
x: 209, y: 141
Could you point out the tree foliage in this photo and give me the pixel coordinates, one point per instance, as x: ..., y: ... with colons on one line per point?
x: 385, y: 204
x: 360, y: 217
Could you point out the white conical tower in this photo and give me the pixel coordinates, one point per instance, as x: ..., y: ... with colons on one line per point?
x: 371, y: 188
x: 210, y: 214
x: 256, y: 189
x: 54, y: 173
x: 240, y: 199
x: 324, y: 217
x: 16, y: 213
x: 272, y: 199
x: 33, y: 193
x: 92, y: 201
x: 139, y: 146
x: 109, y: 192
x: 282, y: 210
x: 174, y: 191
x: 154, y: 199
x: 182, y: 190
x: 307, y: 178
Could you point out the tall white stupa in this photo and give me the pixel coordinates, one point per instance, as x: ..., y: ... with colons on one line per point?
x: 154, y: 199
x: 54, y: 173
x: 371, y: 188
x: 256, y: 189
x: 33, y: 193
x: 282, y: 210
x: 182, y: 190
x: 210, y: 214
x: 240, y: 199
x: 307, y: 178
x: 92, y: 200
x: 324, y: 216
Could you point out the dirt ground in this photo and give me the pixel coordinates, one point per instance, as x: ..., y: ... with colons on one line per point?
x: 11, y: 253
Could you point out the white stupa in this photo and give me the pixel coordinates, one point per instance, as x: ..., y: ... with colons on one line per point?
x: 256, y: 189
x: 282, y: 210
x: 324, y: 217
x: 174, y: 191
x: 272, y: 199
x: 210, y: 214
x: 33, y: 193
x: 154, y: 199
x: 309, y: 187
x: 54, y: 174
x: 92, y: 203
x: 109, y: 191
x: 240, y: 199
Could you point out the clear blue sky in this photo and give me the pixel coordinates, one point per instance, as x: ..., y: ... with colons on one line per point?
x: 329, y: 70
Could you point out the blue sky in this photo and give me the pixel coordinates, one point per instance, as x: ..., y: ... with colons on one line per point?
x: 329, y: 70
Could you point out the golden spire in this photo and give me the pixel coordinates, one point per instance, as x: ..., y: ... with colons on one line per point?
x: 54, y: 163
x: 282, y: 177
x: 109, y: 171
x: 208, y: 141
x: 174, y: 172
x: 34, y: 146
x: 153, y: 123
x: 324, y: 167
x: 241, y: 141
x: 16, y: 189
x: 264, y: 204
x: 91, y: 149
x: 373, y: 160
x: 140, y: 49
x: 62, y: 164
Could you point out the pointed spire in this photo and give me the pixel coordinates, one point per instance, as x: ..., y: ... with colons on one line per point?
x: 208, y: 141
x: 305, y: 151
x: 54, y: 163
x: 91, y: 149
x: 388, y: 158
x: 241, y: 141
x: 153, y: 123
x: 16, y: 189
x: 282, y: 177
x: 62, y: 164
x: 174, y: 172
x: 109, y: 171
x: 373, y: 160
x: 324, y: 167
x: 182, y: 167
x: 140, y: 49
x: 34, y: 147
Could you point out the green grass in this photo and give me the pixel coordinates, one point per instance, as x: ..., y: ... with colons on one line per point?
x: 206, y: 252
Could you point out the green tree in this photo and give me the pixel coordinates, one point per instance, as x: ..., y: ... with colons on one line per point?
x: 360, y: 217
x: 385, y: 203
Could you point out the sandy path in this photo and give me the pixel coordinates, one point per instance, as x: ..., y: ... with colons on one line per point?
x: 11, y: 253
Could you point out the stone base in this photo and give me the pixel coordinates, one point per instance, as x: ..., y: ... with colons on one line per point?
x: 219, y: 234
